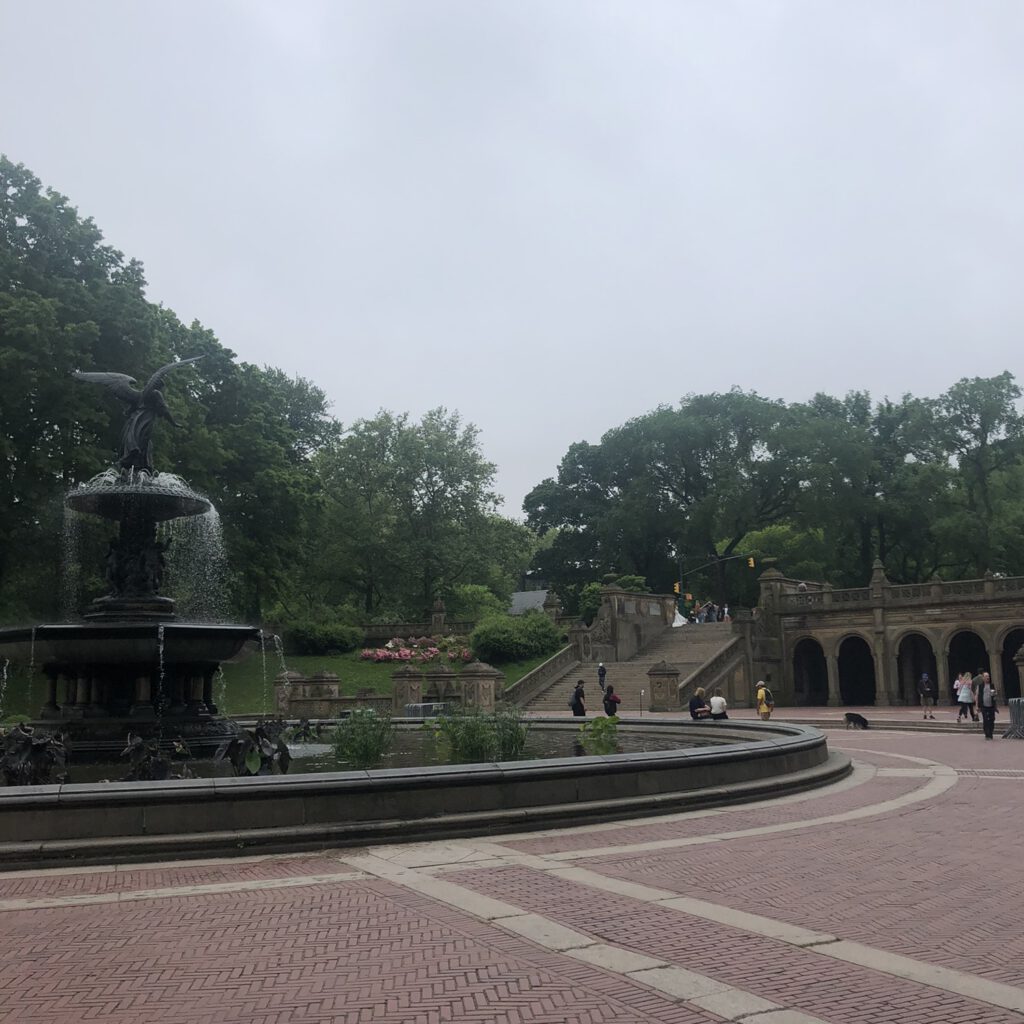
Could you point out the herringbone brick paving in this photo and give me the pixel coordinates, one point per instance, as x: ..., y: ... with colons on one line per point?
x: 936, y: 880
x: 738, y: 818
x: 80, y: 883
x: 839, y: 992
x: 369, y: 951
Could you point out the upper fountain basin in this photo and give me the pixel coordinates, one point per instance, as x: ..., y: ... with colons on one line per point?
x: 161, y: 495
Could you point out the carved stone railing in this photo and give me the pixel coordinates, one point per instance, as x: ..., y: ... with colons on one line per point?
x: 894, y: 595
x: 711, y: 671
x: 523, y: 690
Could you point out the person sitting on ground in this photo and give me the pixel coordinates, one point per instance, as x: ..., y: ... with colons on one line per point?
x: 718, y: 706
x: 611, y: 701
x: 698, y: 708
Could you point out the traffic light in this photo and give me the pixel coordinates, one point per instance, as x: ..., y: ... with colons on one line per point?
x: 750, y: 562
x: 675, y: 587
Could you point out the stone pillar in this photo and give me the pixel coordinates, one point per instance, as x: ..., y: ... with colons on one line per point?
x: 208, y: 675
x: 440, y: 683
x: 142, y: 706
x: 437, y: 616
x: 194, y: 686
x: 942, y: 680
x: 552, y: 606
x: 664, y: 686
x: 995, y: 670
x: 82, y: 692
x: 835, y: 698
x: 885, y: 684
x: 481, y: 684
x: 408, y: 688
x: 50, y: 709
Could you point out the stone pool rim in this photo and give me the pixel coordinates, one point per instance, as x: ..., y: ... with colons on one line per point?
x: 109, y: 822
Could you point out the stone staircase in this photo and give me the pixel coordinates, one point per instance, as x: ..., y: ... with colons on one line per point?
x: 688, y: 648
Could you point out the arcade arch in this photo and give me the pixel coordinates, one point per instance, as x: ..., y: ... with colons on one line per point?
x: 967, y: 653
x: 810, y: 674
x: 856, y: 672
x: 914, y: 657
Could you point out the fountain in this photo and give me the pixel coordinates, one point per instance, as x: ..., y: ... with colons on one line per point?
x: 131, y: 665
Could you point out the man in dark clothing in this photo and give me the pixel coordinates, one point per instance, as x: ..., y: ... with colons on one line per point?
x: 601, y: 673
x: 926, y: 691
x: 578, y: 708
x: 987, y: 705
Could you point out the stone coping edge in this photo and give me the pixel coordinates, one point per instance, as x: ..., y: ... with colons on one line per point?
x: 142, y: 847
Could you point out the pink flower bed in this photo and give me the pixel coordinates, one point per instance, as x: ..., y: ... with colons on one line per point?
x: 419, y: 651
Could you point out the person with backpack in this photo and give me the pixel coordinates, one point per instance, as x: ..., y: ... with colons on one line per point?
x: 611, y: 701
x: 601, y: 673
x: 765, y: 700
x: 576, y: 701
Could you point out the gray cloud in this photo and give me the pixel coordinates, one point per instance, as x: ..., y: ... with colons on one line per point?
x: 550, y: 216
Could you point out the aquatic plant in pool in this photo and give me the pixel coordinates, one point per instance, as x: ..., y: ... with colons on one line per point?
x: 364, y: 739
x: 471, y: 736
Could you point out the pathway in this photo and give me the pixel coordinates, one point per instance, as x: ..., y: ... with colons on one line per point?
x: 892, y: 896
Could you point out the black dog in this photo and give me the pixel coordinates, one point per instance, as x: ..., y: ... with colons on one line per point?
x: 855, y: 721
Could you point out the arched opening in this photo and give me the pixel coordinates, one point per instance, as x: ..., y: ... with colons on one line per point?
x: 1011, y: 675
x: 914, y: 658
x: 966, y: 654
x: 856, y: 672
x: 810, y: 674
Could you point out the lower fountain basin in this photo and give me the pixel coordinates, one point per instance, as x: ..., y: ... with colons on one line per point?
x: 111, y: 822
x: 125, y: 643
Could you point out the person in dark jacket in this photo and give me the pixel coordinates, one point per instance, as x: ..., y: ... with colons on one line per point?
x: 698, y: 706
x: 578, y: 707
x: 926, y: 691
x: 601, y: 673
x: 988, y: 705
x: 611, y: 701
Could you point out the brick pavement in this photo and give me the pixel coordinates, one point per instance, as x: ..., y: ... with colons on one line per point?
x: 935, y: 880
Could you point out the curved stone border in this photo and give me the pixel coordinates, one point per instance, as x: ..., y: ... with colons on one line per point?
x: 106, y: 822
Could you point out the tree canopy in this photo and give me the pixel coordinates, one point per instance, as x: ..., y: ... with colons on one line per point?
x: 377, y: 518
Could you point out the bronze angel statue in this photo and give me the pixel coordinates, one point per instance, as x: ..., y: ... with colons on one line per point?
x: 141, y: 411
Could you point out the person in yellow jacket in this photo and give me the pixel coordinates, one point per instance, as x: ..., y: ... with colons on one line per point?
x: 765, y: 701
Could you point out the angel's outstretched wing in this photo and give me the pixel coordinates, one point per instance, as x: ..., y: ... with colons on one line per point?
x: 157, y: 380
x: 122, y: 386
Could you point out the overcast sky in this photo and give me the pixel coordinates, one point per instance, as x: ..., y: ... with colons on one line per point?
x: 550, y: 216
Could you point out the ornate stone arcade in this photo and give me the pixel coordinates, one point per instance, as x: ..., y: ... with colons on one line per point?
x: 869, y: 645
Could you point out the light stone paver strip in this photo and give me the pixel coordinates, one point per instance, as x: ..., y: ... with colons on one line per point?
x: 907, y: 912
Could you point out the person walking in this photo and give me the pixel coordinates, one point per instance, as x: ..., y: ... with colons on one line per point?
x: 576, y: 701
x: 765, y: 701
x: 987, y: 705
x: 926, y: 691
x: 611, y: 701
x: 976, y: 682
x: 601, y: 673
x: 964, y: 697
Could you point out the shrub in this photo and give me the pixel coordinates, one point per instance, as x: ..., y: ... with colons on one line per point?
x: 600, y: 735
x: 473, y: 736
x: 364, y: 739
x: 515, y: 637
x: 322, y: 638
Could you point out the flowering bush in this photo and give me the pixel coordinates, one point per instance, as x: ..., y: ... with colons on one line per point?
x: 419, y: 650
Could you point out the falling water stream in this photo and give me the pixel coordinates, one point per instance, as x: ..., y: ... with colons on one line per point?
x: 264, y: 706
x: 3, y: 686
x: 159, y: 695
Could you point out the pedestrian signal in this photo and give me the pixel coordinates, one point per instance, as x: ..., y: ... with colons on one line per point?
x: 688, y: 597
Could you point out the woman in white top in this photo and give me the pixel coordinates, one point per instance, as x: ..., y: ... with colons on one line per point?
x: 718, y: 706
x: 964, y: 696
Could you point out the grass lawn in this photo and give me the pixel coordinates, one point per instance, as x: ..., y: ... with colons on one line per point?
x: 247, y: 690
